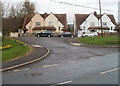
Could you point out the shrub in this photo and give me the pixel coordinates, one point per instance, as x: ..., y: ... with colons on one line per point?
x: 5, y: 47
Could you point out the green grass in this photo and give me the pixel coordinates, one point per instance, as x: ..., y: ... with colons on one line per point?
x: 99, y: 40
x: 17, y: 49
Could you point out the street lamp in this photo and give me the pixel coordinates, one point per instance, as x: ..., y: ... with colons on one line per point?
x: 100, y: 18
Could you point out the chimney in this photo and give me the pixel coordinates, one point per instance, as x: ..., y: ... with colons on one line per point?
x: 95, y: 13
x: 45, y: 15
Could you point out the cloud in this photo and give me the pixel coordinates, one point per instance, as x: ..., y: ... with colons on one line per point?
x: 49, y: 6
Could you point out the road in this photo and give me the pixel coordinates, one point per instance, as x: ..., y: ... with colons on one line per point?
x: 67, y: 64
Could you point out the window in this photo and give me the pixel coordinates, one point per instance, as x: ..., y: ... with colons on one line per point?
x: 104, y: 23
x: 50, y: 23
x: 92, y: 24
x: 111, y: 28
x: 59, y: 28
x: 38, y: 23
x: 83, y: 27
x: 29, y: 27
x: 93, y: 30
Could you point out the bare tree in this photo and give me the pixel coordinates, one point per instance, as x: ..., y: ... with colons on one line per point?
x: 13, y: 19
x: 28, y: 7
x: 12, y: 13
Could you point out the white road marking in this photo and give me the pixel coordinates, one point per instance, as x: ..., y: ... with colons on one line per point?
x: 72, y: 61
x: 16, y: 70
x: 61, y: 83
x: 50, y: 65
x: 37, y: 45
x: 91, y: 58
x: 64, y: 82
x: 21, y: 70
x: 109, y: 71
x: 26, y: 69
x: 77, y: 44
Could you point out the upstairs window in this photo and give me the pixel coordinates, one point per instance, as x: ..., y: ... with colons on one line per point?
x: 59, y: 28
x: 92, y: 24
x: 83, y: 27
x: 37, y: 23
x: 104, y: 23
x: 50, y: 23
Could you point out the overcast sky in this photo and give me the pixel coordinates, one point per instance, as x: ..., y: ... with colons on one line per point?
x: 48, y: 6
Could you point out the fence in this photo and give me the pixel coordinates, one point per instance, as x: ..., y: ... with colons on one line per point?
x: 108, y: 34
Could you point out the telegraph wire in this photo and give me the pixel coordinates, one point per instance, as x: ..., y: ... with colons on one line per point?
x: 82, y: 6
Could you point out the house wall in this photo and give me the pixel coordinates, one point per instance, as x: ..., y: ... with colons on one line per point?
x: 105, y: 18
x: 32, y: 23
x: 91, y: 18
x: 87, y: 23
x: 38, y: 31
x: 56, y: 23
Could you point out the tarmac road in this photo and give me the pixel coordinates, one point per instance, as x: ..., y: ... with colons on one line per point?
x: 67, y: 64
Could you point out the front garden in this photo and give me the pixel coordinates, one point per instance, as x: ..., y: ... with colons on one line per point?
x: 106, y: 40
x: 11, y: 48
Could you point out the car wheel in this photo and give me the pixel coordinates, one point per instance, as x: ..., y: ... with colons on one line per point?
x: 49, y: 36
x: 61, y: 35
x: 38, y: 36
x: 72, y: 36
x: 86, y: 35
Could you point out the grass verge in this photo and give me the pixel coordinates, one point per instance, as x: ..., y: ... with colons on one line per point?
x: 17, y: 49
x: 107, y: 40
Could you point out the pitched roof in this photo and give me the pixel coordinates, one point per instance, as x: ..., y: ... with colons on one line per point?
x: 27, y: 19
x: 110, y: 16
x: 80, y: 18
x: 103, y: 28
x: 112, y: 19
x: 61, y: 17
x: 44, y: 28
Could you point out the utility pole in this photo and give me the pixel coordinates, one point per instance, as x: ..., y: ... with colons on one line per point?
x: 101, y: 18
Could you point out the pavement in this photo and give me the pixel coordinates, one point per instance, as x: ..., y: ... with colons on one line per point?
x: 76, y: 42
x: 37, y: 53
x: 67, y: 64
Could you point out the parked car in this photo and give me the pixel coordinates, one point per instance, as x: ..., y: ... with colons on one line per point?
x: 66, y: 34
x: 44, y: 34
x: 90, y: 35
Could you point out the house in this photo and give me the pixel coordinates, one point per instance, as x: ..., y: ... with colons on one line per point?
x: 34, y: 23
x: 118, y: 28
x: 87, y: 23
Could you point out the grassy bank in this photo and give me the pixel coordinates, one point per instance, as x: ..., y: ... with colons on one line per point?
x: 17, y: 49
x: 108, y: 40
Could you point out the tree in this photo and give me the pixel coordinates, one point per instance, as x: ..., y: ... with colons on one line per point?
x: 13, y: 18
x: 70, y: 29
x: 28, y: 7
x: 12, y: 13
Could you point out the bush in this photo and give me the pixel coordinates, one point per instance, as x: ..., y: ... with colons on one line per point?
x: 5, y: 47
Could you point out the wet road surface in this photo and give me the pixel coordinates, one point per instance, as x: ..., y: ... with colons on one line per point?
x: 66, y: 64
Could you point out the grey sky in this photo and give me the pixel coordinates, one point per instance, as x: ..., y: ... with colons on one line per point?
x: 48, y: 6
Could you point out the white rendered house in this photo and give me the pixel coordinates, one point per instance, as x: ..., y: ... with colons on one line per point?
x: 90, y: 23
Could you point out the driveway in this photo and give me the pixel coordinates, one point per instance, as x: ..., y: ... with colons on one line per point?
x: 71, y: 59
